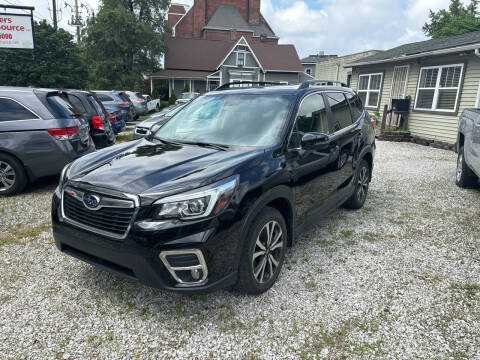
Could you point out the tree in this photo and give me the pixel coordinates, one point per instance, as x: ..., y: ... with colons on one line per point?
x: 458, y: 19
x: 124, y: 42
x: 55, y: 62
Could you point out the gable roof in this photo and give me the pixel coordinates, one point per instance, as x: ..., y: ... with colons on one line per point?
x: 313, y: 59
x: 206, y: 55
x: 422, y: 48
x: 227, y: 17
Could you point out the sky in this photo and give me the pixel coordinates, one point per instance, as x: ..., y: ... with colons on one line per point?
x: 337, y: 27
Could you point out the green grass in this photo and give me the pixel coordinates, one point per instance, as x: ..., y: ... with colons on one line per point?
x: 121, y: 138
x: 14, y: 235
x: 144, y: 117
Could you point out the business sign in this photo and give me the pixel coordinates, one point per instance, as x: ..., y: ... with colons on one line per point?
x: 16, y: 31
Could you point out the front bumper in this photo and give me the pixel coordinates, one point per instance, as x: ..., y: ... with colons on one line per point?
x: 138, y: 255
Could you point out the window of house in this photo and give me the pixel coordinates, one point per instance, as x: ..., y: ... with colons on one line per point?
x: 341, y: 114
x: 311, y: 117
x: 369, y: 88
x: 308, y: 71
x: 11, y: 110
x: 439, y: 88
x: 240, y: 59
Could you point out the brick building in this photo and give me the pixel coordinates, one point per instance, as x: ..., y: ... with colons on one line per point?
x: 219, y: 41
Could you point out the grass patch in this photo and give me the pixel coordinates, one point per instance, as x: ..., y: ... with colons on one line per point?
x: 144, y: 117
x: 124, y: 137
x: 347, y: 233
x: 15, y: 235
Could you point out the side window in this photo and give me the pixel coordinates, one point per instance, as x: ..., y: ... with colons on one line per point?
x: 11, y: 110
x: 311, y: 117
x: 342, y: 117
x: 355, y: 105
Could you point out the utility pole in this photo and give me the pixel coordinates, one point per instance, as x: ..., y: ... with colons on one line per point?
x: 54, y: 6
x: 77, y: 21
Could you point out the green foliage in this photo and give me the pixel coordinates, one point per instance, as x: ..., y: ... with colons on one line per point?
x: 55, y: 62
x: 172, y: 99
x: 458, y: 19
x: 186, y: 88
x: 124, y: 42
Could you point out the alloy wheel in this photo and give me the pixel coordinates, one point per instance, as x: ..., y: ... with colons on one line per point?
x: 7, y: 176
x: 267, y: 252
x: 362, y: 186
x: 459, y: 167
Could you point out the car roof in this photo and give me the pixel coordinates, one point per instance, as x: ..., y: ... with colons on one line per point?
x: 293, y: 90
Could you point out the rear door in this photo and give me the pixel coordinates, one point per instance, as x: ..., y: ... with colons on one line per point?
x: 343, y: 139
x: 475, y: 151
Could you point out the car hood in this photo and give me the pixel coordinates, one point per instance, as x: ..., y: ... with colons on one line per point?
x: 150, y: 121
x: 144, y: 166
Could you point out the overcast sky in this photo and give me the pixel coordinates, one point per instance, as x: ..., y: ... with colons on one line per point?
x: 334, y: 26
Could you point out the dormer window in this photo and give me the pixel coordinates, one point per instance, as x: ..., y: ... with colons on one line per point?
x: 240, y: 59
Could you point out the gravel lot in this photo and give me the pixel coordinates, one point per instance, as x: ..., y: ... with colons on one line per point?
x: 398, y: 279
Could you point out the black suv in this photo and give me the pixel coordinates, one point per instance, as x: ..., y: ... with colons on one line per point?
x: 214, y: 197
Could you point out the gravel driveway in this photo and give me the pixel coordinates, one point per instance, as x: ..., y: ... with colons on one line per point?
x: 398, y: 279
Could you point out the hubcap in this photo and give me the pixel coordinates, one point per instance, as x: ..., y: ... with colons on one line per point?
x: 362, y: 186
x: 7, y: 176
x: 459, y: 167
x: 267, y: 252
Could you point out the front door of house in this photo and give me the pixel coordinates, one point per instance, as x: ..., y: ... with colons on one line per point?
x: 399, y: 82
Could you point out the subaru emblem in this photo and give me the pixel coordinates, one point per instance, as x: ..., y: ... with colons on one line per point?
x: 91, y: 201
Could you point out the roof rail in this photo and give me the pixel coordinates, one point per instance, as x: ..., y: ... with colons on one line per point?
x: 259, y: 83
x: 307, y: 84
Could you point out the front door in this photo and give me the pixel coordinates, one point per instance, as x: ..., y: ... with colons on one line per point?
x: 314, y: 188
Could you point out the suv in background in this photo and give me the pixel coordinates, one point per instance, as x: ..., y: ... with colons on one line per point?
x: 87, y: 104
x: 139, y: 102
x: 146, y: 126
x: 118, y: 103
x: 187, y: 97
x: 40, y: 132
x: 468, y: 148
x: 214, y: 197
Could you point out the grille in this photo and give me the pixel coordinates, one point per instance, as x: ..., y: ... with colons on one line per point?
x: 112, y: 220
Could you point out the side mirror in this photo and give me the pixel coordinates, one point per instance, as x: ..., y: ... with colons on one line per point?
x: 313, y: 140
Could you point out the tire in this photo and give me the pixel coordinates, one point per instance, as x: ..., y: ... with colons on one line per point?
x: 465, y: 177
x: 13, y: 178
x: 157, y: 108
x: 362, y: 180
x: 255, y: 266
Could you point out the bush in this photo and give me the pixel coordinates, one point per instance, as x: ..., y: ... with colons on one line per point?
x: 186, y: 88
x: 172, y: 99
x: 164, y: 104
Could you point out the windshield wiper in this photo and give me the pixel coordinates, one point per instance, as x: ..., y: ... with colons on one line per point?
x: 209, y: 145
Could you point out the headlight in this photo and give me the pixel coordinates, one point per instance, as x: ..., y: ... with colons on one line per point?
x: 198, y: 203
x: 63, y: 175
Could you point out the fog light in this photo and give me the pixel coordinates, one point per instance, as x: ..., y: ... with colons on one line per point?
x: 195, y: 274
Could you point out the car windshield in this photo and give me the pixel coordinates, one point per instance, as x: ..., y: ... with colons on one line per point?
x: 229, y: 119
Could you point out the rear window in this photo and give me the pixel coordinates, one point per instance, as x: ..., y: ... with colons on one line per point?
x: 96, y: 105
x: 103, y: 97
x: 61, y: 107
x: 77, y: 103
x: 342, y: 117
x: 124, y: 97
x: 11, y: 110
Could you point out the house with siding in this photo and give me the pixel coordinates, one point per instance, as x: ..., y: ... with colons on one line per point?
x: 310, y: 62
x: 220, y: 41
x: 440, y: 77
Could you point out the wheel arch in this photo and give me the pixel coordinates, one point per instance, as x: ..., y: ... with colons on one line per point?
x: 30, y: 176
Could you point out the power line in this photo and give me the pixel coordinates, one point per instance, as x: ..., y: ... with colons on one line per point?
x: 26, y: 11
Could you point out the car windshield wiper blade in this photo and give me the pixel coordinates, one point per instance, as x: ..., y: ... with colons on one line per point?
x: 210, y: 145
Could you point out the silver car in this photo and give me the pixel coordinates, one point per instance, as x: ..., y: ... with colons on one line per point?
x: 139, y: 102
x: 40, y: 132
x: 144, y: 128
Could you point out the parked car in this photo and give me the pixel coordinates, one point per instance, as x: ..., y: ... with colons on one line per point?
x: 40, y: 133
x: 87, y: 104
x: 468, y: 148
x: 187, y: 97
x: 152, y: 104
x: 117, y: 103
x: 144, y: 128
x: 215, y: 196
x: 139, y: 103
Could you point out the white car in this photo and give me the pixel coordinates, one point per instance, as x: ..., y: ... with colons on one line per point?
x: 152, y: 104
x: 187, y: 97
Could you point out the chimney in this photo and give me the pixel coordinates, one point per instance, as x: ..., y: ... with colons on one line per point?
x: 175, y: 13
x: 199, y: 17
x: 253, y: 12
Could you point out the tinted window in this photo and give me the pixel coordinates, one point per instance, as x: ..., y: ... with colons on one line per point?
x: 77, y: 103
x: 60, y: 105
x: 124, y: 97
x: 340, y: 110
x: 103, y: 97
x: 99, y: 109
x: 11, y: 110
x: 355, y: 105
x: 311, y: 117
